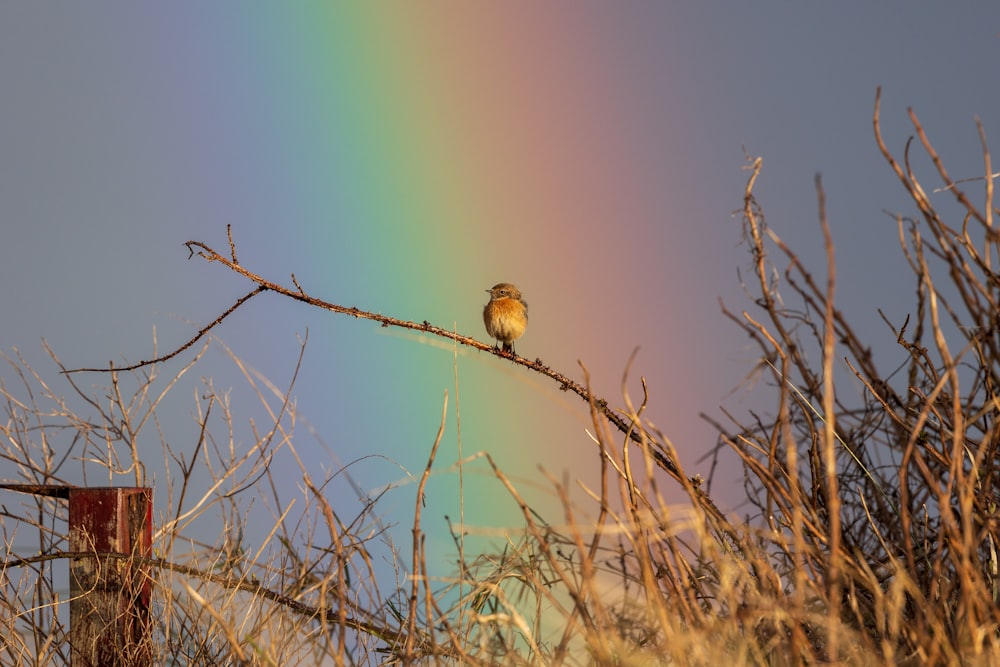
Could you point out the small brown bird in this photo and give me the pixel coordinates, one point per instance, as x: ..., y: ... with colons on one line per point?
x: 506, y: 315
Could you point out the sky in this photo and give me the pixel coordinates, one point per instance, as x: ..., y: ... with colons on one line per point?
x: 403, y: 158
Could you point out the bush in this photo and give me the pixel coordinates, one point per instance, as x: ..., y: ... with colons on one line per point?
x: 873, y: 541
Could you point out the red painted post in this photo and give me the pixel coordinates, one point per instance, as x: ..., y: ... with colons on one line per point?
x: 109, y: 596
x: 109, y: 593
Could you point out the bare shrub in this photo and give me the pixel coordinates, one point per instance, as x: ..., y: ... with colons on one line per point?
x: 873, y: 538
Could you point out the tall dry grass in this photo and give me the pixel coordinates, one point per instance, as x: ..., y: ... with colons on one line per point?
x: 873, y: 538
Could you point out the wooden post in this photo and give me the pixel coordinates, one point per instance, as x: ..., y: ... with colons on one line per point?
x: 109, y: 596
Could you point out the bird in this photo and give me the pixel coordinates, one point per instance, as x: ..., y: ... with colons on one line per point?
x: 506, y: 315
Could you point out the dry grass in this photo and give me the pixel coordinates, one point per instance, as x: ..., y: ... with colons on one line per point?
x: 874, y: 539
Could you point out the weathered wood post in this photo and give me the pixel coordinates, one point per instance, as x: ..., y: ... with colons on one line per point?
x: 109, y: 595
x: 109, y: 621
